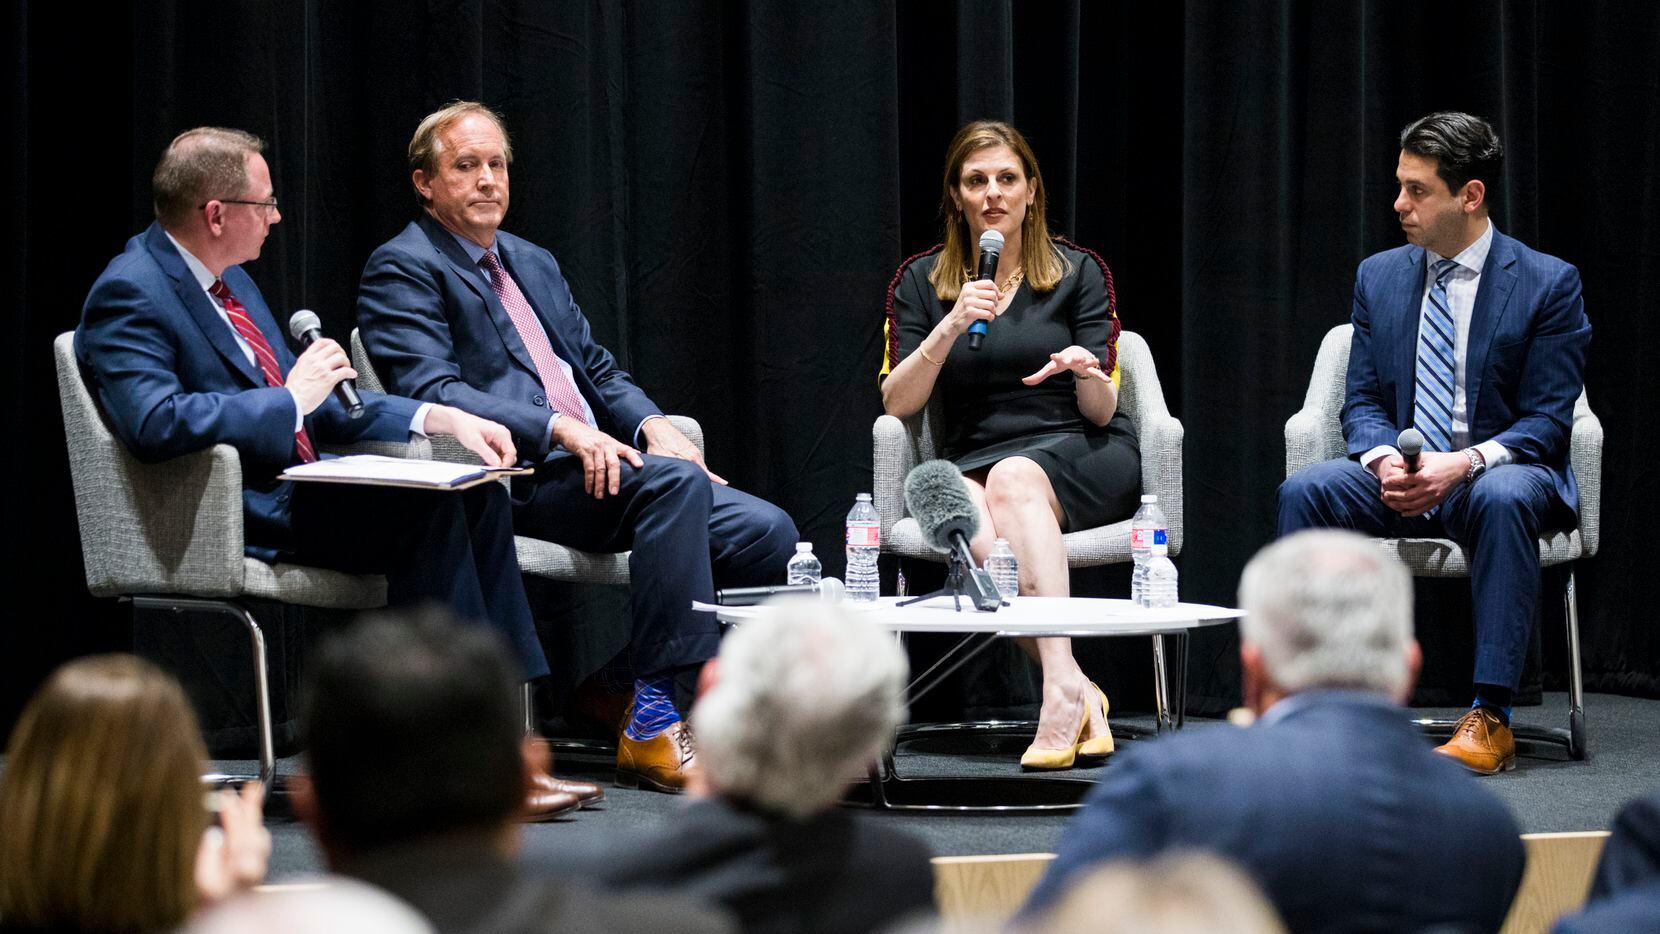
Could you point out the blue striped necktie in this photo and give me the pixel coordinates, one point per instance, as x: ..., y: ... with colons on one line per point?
x: 1436, y: 336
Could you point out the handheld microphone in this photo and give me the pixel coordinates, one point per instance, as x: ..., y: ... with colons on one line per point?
x: 1411, y: 443
x: 991, y: 248
x: 307, y: 329
x: 936, y: 496
x: 830, y: 590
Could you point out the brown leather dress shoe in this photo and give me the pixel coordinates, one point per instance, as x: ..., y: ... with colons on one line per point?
x: 662, y: 762
x: 543, y: 804
x: 1481, y: 743
x: 587, y: 793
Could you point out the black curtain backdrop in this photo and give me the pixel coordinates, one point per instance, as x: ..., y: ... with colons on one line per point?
x: 729, y: 187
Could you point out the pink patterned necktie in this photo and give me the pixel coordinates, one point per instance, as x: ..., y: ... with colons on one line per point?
x: 267, y: 360
x: 562, y: 394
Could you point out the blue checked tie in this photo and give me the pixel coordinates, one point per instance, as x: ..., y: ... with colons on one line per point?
x: 1433, y: 414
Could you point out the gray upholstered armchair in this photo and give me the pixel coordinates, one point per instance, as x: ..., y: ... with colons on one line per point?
x: 1315, y: 434
x: 902, y: 444
x: 170, y: 535
x: 536, y: 557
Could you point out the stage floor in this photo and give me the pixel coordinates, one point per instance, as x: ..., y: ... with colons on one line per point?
x: 1547, y: 792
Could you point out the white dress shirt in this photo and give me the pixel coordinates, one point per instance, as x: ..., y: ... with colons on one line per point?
x: 206, y: 279
x: 1462, y: 285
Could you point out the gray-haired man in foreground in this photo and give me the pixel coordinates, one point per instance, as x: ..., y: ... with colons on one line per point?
x: 1332, y: 800
x: 793, y: 708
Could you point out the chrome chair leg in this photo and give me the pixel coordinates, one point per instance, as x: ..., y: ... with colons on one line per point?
x: 1576, y: 677
x: 262, y: 671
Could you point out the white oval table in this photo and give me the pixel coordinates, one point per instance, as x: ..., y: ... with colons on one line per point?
x: 1075, y: 617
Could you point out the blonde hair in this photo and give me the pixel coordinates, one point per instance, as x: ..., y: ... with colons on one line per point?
x: 424, y: 146
x: 101, y: 809
x: 1178, y: 892
x: 1044, y: 265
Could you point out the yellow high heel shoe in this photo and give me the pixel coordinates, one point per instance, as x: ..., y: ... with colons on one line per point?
x: 1097, y: 745
x: 1036, y: 757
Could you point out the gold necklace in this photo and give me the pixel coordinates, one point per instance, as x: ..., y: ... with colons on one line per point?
x: 1014, y: 279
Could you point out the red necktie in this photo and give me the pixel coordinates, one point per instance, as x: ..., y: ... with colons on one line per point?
x: 562, y: 393
x: 263, y: 355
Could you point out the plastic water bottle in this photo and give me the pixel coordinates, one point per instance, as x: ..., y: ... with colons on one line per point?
x: 1146, y: 529
x: 1160, y: 592
x: 804, y: 568
x: 1003, y: 568
x: 864, y: 541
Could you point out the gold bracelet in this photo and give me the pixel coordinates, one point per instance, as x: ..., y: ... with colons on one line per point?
x: 925, y: 356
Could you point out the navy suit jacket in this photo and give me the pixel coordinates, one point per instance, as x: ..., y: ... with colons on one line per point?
x: 834, y: 872
x: 172, y: 380
x: 1526, y: 355
x: 436, y: 332
x: 1338, y: 809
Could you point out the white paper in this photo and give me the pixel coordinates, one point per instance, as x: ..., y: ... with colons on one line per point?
x: 390, y: 469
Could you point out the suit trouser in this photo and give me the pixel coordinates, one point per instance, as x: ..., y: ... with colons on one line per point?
x: 1496, y: 520
x: 684, y: 533
x: 451, y: 548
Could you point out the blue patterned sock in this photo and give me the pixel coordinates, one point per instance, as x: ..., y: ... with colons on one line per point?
x: 1494, y: 698
x: 653, y: 707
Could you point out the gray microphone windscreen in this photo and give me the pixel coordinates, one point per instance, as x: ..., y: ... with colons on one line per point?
x: 1411, y: 442
x: 301, y: 322
x: 991, y: 242
x: 936, y: 495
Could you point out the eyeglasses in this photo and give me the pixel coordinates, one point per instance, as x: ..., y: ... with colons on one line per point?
x: 267, y: 205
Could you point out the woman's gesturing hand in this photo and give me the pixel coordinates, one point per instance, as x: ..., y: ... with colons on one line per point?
x: 1074, y: 358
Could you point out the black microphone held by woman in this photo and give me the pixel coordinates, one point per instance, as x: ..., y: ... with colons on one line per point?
x: 991, y: 250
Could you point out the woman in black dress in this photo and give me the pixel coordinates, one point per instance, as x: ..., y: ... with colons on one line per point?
x: 1030, y: 418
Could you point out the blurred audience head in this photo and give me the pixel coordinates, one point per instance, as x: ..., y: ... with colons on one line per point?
x: 1326, y: 609
x: 101, y: 802
x: 795, y: 704
x: 1180, y: 892
x: 322, y: 907
x: 414, y: 729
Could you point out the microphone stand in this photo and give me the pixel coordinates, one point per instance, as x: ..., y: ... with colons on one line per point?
x: 965, y: 580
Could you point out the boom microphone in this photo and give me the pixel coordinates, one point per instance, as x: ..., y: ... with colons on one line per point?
x: 305, y: 328
x: 830, y: 590
x: 1411, y: 443
x: 936, y: 496
x: 991, y: 248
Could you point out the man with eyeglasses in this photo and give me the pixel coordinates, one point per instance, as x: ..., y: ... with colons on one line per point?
x: 183, y: 353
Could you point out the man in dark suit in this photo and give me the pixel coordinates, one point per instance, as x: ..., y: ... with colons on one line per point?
x: 1479, y: 343
x: 183, y: 354
x: 417, y: 766
x: 453, y: 310
x: 794, y: 706
x: 1332, y: 801
x: 1625, y: 892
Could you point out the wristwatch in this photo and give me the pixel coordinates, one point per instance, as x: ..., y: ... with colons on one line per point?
x: 1477, y: 464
